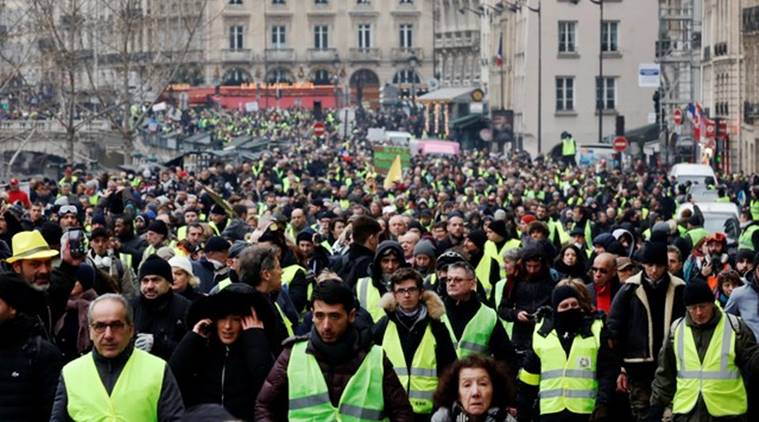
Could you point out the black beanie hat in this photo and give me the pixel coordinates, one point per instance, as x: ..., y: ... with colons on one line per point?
x: 16, y: 292
x: 155, y: 265
x: 560, y: 293
x: 305, y: 236
x: 697, y: 292
x: 499, y: 227
x: 85, y: 275
x: 217, y: 244
x: 478, y: 237
x: 159, y: 227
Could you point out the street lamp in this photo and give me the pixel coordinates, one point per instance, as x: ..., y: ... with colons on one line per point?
x: 601, y: 85
x: 412, y: 63
x: 336, y: 78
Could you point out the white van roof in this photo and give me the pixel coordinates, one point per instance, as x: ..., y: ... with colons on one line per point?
x: 688, y: 169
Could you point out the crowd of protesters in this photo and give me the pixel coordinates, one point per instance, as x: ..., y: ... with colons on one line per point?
x: 480, y: 287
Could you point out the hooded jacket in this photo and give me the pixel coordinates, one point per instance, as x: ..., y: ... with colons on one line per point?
x: 411, y: 338
x: 375, y: 268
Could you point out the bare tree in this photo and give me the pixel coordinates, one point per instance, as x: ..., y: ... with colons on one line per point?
x: 121, y: 53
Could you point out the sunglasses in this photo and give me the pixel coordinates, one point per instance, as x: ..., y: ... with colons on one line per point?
x: 599, y: 270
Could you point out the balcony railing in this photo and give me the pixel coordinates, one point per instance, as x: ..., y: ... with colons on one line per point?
x: 403, y: 54
x: 237, y: 55
x: 280, y: 55
x: 322, y: 54
x: 365, y: 54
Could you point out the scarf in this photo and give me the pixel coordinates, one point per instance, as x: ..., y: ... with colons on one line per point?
x: 410, y: 319
x: 334, y: 353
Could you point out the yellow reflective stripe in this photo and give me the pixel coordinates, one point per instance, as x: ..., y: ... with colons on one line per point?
x: 529, y: 378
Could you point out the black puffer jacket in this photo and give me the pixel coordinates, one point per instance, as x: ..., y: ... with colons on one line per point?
x: 209, y: 372
x: 527, y: 295
x: 164, y: 318
x: 29, y: 370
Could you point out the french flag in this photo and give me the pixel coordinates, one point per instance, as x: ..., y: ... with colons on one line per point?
x: 499, y: 55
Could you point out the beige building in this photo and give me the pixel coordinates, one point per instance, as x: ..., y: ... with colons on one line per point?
x: 363, y: 43
x: 749, y: 158
x: 570, y: 67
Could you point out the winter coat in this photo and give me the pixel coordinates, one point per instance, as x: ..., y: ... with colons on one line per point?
x: 164, y: 318
x: 272, y: 401
x: 29, y: 370
x: 629, y: 322
x: 445, y: 352
x: 461, y: 313
x: 529, y: 296
x: 207, y: 371
x: 354, y: 265
x: 665, y: 382
x: 744, y: 302
x: 456, y: 414
x: 72, y: 333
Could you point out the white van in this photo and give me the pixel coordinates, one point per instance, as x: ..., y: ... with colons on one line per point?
x: 694, y: 173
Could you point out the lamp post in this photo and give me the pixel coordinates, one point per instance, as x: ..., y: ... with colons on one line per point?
x: 601, y: 85
x: 336, y: 78
x: 412, y: 63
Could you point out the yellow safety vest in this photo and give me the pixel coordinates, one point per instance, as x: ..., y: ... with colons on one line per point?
x: 285, y: 320
x: 507, y: 325
x: 133, y: 398
x: 476, y: 336
x: 182, y: 233
x: 483, y: 273
x: 288, y: 273
x: 754, y: 208
x: 362, y: 399
x: 566, y: 382
x: 369, y: 298
x: 745, y: 240
x: 716, y: 379
x: 420, y: 380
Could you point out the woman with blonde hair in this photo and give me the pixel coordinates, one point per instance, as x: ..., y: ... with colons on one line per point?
x: 185, y: 281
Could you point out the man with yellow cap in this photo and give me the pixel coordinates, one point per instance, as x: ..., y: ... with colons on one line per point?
x: 33, y: 260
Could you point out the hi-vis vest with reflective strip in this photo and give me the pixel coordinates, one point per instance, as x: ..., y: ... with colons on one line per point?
x: 482, y: 272
x: 134, y: 397
x: 716, y: 379
x: 476, y: 336
x: 499, y: 288
x: 745, y: 241
x: 420, y: 381
x: 566, y: 382
x: 754, y: 209
x: 369, y: 298
x: 362, y: 398
x: 285, y: 320
x: 288, y: 273
x: 492, y: 249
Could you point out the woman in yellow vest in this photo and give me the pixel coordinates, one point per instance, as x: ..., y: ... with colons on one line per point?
x: 570, y: 366
x: 476, y: 388
x: 230, y: 350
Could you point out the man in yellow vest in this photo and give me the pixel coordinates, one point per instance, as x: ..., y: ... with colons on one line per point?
x: 486, y: 267
x: 387, y: 259
x: 414, y: 338
x: 331, y: 374
x: 473, y: 326
x: 116, y: 381
x: 568, y: 149
x: 569, y: 364
x: 704, y: 362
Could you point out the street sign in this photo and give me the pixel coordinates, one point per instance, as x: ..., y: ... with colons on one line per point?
x: 649, y: 75
x: 620, y: 144
x: 678, y: 117
x: 319, y: 129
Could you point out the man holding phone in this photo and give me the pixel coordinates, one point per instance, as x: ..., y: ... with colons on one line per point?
x: 33, y: 260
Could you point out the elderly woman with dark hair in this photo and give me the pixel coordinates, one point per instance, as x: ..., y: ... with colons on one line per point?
x: 476, y: 388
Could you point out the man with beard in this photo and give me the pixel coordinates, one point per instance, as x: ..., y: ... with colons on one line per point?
x: 455, y: 230
x: 33, y: 260
x: 112, y: 275
x: 158, y: 312
x: 369, y: 290
x: 127, y: 243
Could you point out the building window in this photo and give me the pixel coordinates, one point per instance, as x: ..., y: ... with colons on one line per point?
x: 364, y: 36
x: 567, y: 37
x: 407, y: 40
x: 321, y: 77
x: 236, y: 37
x: 320, y: 1
x: 362, y: 1
x: 610, y: 36
x: 406, y: 76
x: 235, y: 1
x: 320, y: 37
x: 565, y: 93
x: 277, y: 1
x: 407, y: 1
x: 606, y: 93
x: 278, y: 39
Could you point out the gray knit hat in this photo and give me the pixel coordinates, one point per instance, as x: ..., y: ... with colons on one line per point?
x: 425, y: 247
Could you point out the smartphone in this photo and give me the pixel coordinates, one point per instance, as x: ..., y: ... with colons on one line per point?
x: 77, y: 243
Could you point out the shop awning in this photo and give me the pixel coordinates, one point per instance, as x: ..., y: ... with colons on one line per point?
x: 466, y: 121
x: 448, y: 95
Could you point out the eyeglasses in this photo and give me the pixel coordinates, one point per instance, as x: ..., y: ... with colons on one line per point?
x: 599, y: 270
x: 409, y: 291
x: 115, y: 326
x: 457, y: 280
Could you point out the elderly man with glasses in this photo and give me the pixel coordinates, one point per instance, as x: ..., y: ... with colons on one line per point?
x: 116, y: 381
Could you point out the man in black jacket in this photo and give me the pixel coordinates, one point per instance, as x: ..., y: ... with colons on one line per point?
x: 365, y: 232
x: 128, y: 241
x: 641, y: 315
x: 29, y: 364
x: 416, y: 330
x: 32, y: 260
x: 158, y: 312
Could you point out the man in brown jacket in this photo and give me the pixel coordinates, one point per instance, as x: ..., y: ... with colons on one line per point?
x: 350, y: 366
